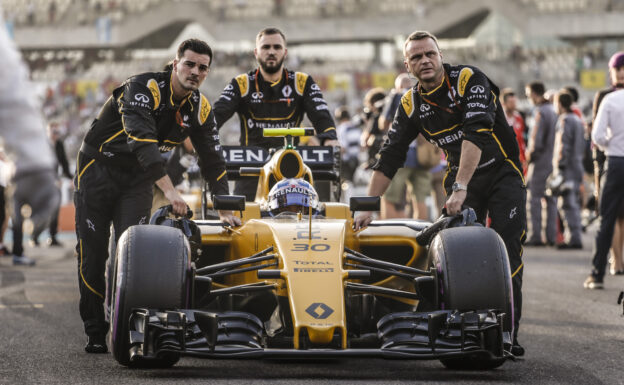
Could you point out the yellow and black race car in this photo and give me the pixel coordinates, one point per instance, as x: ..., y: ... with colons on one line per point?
x: 296, y: 281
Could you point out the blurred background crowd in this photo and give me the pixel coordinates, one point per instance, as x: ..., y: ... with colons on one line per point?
x: 78, y: 51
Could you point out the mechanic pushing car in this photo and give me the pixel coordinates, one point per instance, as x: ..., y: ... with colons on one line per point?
x: 272, y: 96
x: 457, y: 108
x: 120, y: 160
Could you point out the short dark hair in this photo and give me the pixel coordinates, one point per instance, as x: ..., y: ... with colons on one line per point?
x: 565, y: 99
x: 420, y: 35
x: 270, y: 31
x: 507, y: 93
x: 195, y: 45
x: 537, y: 88
x: 573, y: 92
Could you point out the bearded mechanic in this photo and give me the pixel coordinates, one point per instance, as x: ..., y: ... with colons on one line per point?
x: 272, y: 96
x: 120, y: 160
x: 457, y: 109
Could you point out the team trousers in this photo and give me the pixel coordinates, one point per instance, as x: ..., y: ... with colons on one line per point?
x: 104, y: 193
x: 500, y: 193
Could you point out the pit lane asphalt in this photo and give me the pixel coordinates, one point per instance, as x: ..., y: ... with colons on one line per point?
x: 571, y: 335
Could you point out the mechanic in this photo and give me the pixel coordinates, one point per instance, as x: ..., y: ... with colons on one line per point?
x: 62, y: 165
x: 568, y: 164
x: 293, y: 195
x: 26, y: 145
x: 539, y: 155
x: 272, y: 96
x: 457, y: 108
x: 120, y: 159
x: 608, y: 135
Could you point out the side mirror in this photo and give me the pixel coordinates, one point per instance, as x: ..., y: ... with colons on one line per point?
x: 229, y: 202
x: 365, y: 203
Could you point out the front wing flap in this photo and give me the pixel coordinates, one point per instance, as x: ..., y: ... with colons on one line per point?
x: 407, y: 335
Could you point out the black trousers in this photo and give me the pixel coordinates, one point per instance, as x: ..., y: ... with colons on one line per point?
x: 501, y: 195
x: 103, y: 194
x: 611, y: 197
x: 246, y: 187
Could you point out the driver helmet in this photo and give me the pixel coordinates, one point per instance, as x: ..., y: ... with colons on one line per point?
x: 293, y: 195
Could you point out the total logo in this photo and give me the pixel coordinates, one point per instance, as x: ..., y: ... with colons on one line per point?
x: 477, y: 89
x: 424, y: 107
x: 141, y: 98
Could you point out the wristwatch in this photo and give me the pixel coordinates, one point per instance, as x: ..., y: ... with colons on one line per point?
x: 459, y: 187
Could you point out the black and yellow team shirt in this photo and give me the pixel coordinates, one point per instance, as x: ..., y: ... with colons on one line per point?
x: 261, y: 104
x: 141, y: 120
x: 464, y: 106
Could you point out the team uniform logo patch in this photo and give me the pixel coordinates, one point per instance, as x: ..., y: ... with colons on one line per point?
x: 462, y: 81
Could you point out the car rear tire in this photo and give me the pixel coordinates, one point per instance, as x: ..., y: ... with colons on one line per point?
x: 152, y: 270
x: 473, y: 274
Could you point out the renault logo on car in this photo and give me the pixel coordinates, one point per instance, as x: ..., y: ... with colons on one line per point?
x: 319, y: 310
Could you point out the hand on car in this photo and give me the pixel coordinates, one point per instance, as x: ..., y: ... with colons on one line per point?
x: 362, y: 220
x: 229, y: 218
x: 455, y: 201
x: 177, y: 202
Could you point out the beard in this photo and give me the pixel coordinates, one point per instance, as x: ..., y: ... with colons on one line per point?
x: 271, y: 69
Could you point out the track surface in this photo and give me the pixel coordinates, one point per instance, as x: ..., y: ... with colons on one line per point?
x: 571, y: 335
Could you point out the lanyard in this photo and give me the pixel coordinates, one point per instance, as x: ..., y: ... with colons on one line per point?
x: 448, y: 84
x: 287, y: 100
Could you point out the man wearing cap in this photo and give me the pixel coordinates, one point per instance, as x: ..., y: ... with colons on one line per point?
x: 608, y: 135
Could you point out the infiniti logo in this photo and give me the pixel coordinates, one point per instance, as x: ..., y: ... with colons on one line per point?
x: 424, y: 107
x: 257, y: 95
x: 141, y: 98
x: 477, y: 89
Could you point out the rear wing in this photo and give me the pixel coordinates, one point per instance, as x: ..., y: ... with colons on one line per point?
x: 324, y: 161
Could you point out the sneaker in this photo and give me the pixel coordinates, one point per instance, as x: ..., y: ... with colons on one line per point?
x: 569, y: 246
x: 96, y: 344
x: 516, y: 349
x: 593, y: 283
x: 4, y: 252
x: 23, y: 260
x: 52, y: 242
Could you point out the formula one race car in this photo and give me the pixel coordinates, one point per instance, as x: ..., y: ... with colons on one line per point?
x: 296, y: 281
